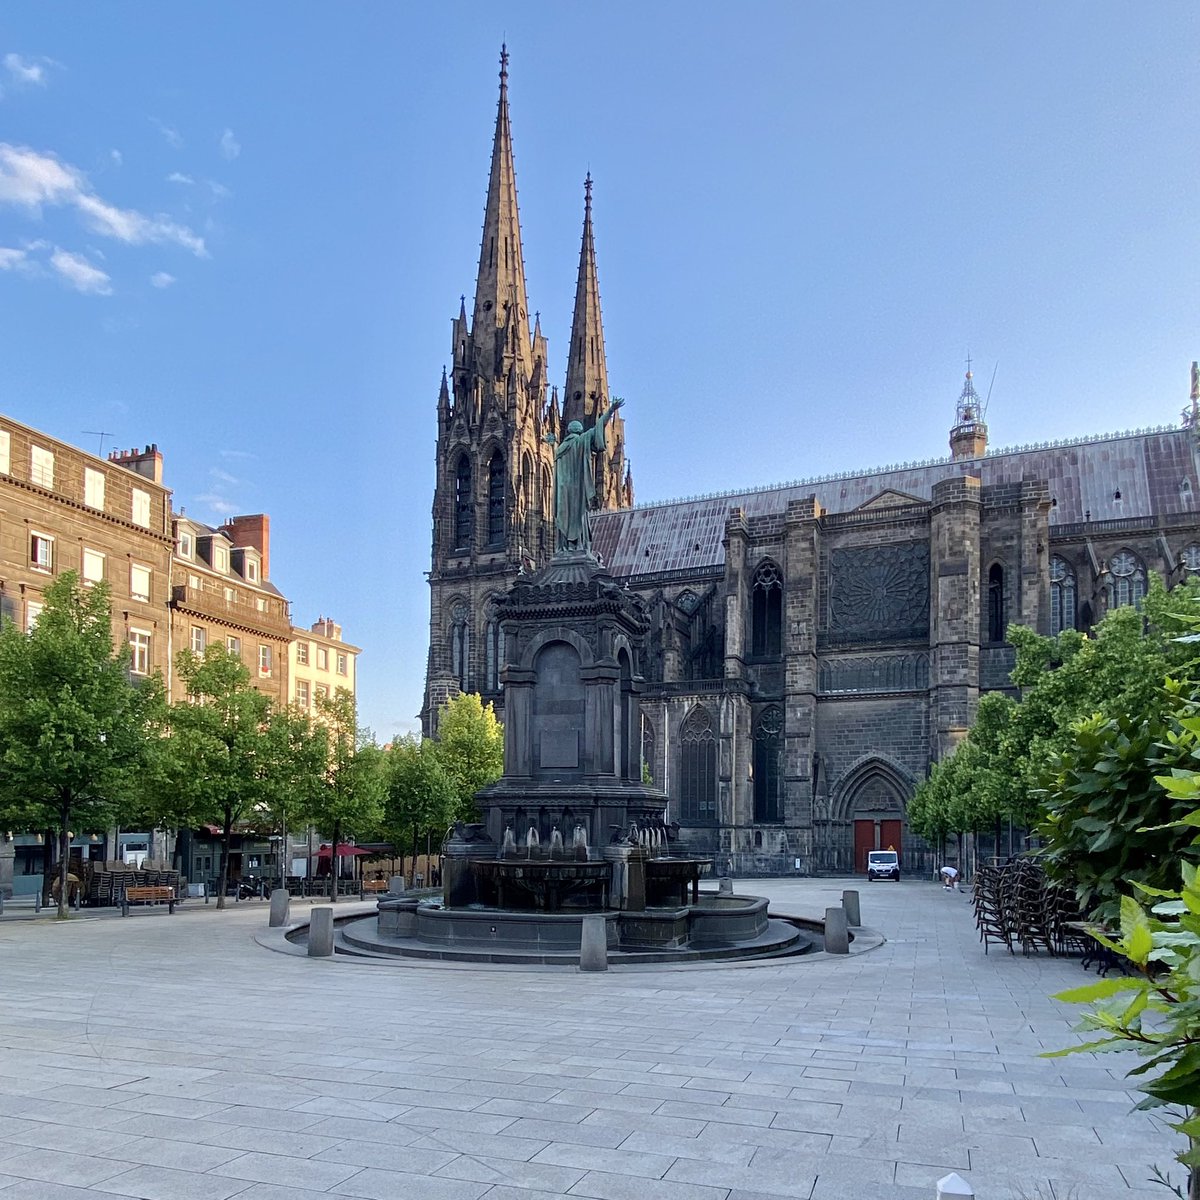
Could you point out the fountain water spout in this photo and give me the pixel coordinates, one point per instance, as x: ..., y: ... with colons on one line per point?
x: 579, y: 842
x: 556, y: 843
x: 532, y: 842
x: 509, y: 848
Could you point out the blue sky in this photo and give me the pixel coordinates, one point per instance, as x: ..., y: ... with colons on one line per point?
x: 241, y: 231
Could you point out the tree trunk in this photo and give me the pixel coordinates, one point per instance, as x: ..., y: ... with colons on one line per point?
x: 416, y: 851
x: 223, y: 878
x: 64, y: 861
x: 999, y: 830
x: 334, y: 862
x: 49, y: 841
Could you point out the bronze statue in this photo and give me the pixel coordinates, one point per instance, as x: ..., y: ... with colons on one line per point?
x: 575, y: 480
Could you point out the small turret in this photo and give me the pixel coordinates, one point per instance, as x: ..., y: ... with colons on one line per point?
x: 444, y: 402
x: 968, y: 437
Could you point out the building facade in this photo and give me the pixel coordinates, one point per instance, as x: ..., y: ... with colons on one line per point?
x: 222, y: 594
x: 815, y: 647
x: 320, y: 663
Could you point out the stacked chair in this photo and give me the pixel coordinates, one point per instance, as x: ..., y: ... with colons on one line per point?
x: 1017, y: 905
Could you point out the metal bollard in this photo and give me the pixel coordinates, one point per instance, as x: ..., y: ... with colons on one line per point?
x: 837, y: 935
x: 593, y: 944
x: 954, y: 1185
x: 850, y: 904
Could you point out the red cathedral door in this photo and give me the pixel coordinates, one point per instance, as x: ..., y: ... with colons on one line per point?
x: 890, y: 833
x: 864, y: 843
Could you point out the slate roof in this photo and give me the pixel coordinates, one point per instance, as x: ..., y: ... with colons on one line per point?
x: 1147, y: 468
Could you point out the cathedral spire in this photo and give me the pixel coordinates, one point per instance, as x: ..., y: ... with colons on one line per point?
x: 586, y: 396
x: 968, y: 437
x: 500, y: 323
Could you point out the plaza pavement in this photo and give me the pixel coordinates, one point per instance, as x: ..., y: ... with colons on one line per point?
x: 173, y: 1058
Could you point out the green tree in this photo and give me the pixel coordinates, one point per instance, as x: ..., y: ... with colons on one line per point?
x: 219, y: 754
x: 1160, y: 937
x: 470, y: 744
x: 421, y: 798
x: 349, y: 799
x: 73, y: 727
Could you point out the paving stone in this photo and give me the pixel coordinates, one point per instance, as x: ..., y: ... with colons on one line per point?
x: 607, y: 1186
x: 162, y: 1183
x: 388, y: 1185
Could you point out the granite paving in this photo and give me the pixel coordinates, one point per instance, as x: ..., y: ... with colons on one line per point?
x: 173, y: 1057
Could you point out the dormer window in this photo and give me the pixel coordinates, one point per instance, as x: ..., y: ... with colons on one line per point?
x: 251, y: 571
x: 187, y: 544
x: 220, y: 559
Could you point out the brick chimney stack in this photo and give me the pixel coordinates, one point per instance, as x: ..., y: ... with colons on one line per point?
x: 147, y: 463
x: 326, y: 627
x: 253, y: 531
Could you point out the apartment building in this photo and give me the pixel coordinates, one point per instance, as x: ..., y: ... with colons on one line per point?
x: 320, y: 662
x: 222, y: 594
x: 62, y: 509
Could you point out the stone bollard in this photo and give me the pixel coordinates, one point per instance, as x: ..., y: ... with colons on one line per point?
x: 954, y: 1185
x: 37, y: 901
x: 593, y: 944
x: 396, y: 885
x: 837, y: 936
x: 280, y: 904
x: 850, y: 904
x: 320, y: 932
x: 1, y: 904
x: 725, y: 887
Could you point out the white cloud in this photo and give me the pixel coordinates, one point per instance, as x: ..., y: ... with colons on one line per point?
x: 169, y: 132
x: 230, y: 146
x: 26, y: 71
x: 117, y: 157
x: 238, y: 454
x: 30, y: 180
x: 223, y: 476
x: 219, y: 190
x: 179, y: 177
x: 218, y: 504
x: 12, y: 259
x: 80, y: 273
x: 161, y: 279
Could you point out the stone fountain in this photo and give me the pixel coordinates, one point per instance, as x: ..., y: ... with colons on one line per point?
x: 570, y: 828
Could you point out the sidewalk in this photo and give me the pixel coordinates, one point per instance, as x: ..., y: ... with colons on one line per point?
x: 172, y: 1058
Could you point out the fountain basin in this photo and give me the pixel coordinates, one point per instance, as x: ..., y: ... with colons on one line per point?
x: 545, y: 882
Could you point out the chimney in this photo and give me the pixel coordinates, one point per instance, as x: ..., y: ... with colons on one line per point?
x: 253, y: 531
x: 147, y: 463
x: 326, y: 627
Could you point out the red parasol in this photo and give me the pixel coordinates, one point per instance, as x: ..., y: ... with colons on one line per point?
x: 344, y: 851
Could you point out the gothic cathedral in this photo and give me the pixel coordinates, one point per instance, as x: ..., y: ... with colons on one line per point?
x: 814, y: 646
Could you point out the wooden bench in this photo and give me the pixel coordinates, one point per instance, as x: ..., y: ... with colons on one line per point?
x: 374, y: 885
x: 148, y: 895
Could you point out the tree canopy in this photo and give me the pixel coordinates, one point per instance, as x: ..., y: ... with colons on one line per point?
x: 73, y: 727
x: 470, y: 747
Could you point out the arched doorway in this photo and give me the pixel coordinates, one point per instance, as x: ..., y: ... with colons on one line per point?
x: 869, y: 806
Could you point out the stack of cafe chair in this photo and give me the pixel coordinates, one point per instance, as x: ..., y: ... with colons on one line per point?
x: 991, y: 918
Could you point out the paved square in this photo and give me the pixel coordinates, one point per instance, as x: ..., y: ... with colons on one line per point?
x: 173, y: 1058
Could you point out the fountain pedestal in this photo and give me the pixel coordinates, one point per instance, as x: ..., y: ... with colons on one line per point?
x: 627, y: 891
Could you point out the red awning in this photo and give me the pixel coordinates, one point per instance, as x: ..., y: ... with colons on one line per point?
x: 344, y: 851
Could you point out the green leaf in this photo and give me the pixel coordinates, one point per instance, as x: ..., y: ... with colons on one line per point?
x: 1100, y: 990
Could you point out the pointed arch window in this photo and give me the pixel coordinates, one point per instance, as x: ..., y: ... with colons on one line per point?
x: 768, y: 753
x: 1128, y: 579
x: 495, y: 510
x: 1189, y: 558
x: 460, y: 643
x: 527, y: 480
x: 1064, y: 596
x: 766, y: 615
x: 493, y: 641
x: 698, y: 767
x: 647, y: 749
x: 463, y: 504
x: 995, y: 603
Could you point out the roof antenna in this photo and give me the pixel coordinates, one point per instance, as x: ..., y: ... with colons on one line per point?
x: 101, y: 434
x: 991, y: 385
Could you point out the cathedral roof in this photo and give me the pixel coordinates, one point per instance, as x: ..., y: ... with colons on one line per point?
x: 1139, y: 473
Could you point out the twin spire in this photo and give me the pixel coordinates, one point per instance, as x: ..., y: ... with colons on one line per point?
x: 498, y: 347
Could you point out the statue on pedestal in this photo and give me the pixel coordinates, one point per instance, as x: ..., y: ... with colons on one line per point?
x: 575, y: 481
